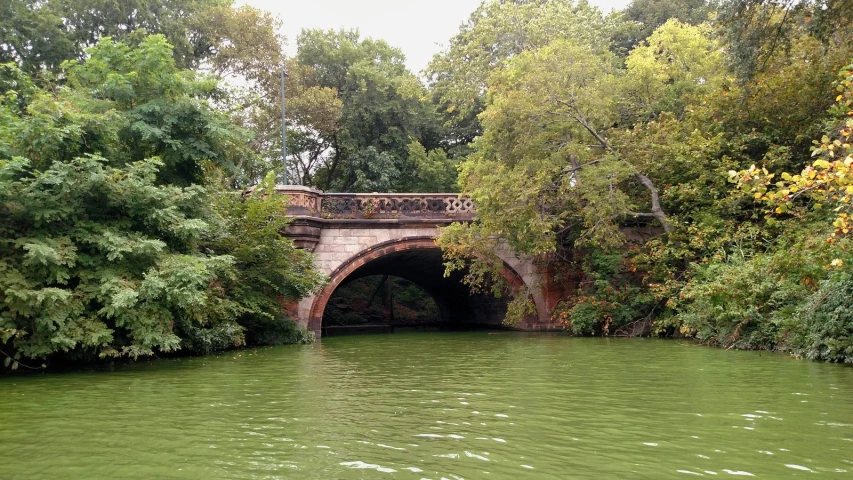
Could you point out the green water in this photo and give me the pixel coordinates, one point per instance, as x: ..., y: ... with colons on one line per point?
x: 437, y: 405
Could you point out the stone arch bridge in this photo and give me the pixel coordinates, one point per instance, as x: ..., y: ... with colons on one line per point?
x: 353, y: 235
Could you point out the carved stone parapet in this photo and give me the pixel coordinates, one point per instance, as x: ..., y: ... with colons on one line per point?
x: 302, y: 200
x: 396, y: 205
x: 311, y: 209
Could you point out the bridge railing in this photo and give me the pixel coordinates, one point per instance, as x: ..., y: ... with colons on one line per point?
x: 312, y: 202
x: 370, y: 205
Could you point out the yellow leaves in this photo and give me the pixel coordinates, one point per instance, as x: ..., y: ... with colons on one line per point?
x: 827, y: 180
x: 836, y: 263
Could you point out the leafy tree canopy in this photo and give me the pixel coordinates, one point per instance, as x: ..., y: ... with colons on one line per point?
x: 110, y: 245
x: 383, y: 107
x: 496, y: 32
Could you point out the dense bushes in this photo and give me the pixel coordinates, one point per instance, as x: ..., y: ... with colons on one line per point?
x: 102, y: 261
x: 790, y: 298
x: 824, y: 328
x: 117, y: 236
x: 609, y: 295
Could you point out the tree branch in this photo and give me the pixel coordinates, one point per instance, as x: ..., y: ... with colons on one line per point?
x: 657, y: 211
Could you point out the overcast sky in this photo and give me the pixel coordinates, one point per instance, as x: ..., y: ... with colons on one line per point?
x: 417, y: 27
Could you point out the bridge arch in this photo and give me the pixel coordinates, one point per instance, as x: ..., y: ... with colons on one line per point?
x: 417, y: 259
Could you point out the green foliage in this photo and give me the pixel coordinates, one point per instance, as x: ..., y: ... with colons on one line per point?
x: 573, y: 144
x: 373, y: 171
x: 758, y: 30
x: 825, y: 322
x: 496, y: 32
x: 766, y: 301
x: 609, y: 297
x: 42, y: 34
x: 521, y: 306
x: 125, y: 104
x: 738, y: 304
x: 107, y: 249
x: 434, y: 172
x: 674, y: 64
x: 546, y: 160
x: 648, y: 15
x: 383, y: 108
x: 269, y: 270
x: 99, y: 260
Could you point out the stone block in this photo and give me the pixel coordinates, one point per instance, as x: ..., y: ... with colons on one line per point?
x: 339, y: 256
x: 382, y: 236
x: 337, y: 232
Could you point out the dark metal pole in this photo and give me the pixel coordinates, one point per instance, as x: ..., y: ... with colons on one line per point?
x: 283, y: 132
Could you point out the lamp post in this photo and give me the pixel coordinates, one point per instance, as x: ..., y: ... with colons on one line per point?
x: 283, y: 131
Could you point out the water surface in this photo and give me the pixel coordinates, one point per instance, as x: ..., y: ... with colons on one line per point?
x: 437, y: 405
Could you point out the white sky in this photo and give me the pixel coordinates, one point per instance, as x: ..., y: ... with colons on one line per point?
x: 417, y: 27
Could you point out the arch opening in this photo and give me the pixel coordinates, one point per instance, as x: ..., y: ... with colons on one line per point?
x: 416, y: 263
x: 380, y: 303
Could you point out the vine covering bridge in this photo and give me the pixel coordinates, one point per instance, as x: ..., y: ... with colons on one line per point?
x: 354, y: 235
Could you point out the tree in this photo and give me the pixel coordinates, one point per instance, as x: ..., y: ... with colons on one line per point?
x: 785, y: 102
x: 154, y: 109
x: 383, y: 106
x: 100, y: 261
x: 667, y: 70
x: 545, y: 149
x: 237, y: 43
x: 574, y: 146
x: 496, y: 32
x: 651, y: 14
x: 828, y: 180
x: 269, y: 270
x: 40, y: 35
x: 109, y: 245
x: 757, y: 29
x: 434, y: 171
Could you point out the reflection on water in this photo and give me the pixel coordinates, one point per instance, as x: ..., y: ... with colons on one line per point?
x: 437, y: 405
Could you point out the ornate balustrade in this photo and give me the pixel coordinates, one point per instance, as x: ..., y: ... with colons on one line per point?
x: 391, y: 205
x: 306, y: 201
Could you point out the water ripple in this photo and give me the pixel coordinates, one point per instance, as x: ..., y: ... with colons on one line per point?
x: 436, y: 406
